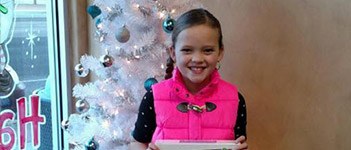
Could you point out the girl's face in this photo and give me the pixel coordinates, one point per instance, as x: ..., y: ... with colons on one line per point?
x: 196, y: 53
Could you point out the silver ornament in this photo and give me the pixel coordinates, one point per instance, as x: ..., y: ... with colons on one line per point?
x: 122, y: 35
x: 106, y: 60
x: 65, y: 125
x: 81, y: 71
x: 82, y: 106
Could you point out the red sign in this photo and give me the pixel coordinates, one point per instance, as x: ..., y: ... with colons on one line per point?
x: 24, y: 117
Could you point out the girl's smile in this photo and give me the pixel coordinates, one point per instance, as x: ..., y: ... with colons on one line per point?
x: 196, y: 53
x: 197, y: 70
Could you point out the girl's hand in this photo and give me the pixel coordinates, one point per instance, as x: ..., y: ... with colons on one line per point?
x: 152, y: 146
x: 242, y: 145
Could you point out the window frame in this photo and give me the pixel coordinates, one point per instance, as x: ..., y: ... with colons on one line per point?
x: 57, y: 37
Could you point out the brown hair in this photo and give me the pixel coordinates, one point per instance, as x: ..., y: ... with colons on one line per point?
x: 189, y: 19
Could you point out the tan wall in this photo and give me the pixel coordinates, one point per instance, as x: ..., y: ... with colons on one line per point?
x: 292, y: 61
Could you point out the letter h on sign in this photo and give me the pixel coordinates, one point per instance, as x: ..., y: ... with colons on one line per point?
x: 22, y: 120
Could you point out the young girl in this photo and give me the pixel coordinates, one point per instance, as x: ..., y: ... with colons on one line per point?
x: 194, y: 103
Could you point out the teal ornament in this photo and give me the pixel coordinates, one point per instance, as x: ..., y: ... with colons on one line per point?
x: 149, y: 82
x: 92, y: 145
x: 168, y: 24
x: 93, y: 11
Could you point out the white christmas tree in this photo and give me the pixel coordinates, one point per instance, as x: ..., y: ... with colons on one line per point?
x: 135, y: 35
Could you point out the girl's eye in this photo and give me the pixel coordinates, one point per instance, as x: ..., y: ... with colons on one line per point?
x: 208, y: 51
x: 185, y: 50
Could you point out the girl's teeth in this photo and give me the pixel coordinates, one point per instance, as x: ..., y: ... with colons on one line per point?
x: 197, y: 69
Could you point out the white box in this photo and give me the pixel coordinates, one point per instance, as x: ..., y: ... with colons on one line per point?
x: 195, y: 144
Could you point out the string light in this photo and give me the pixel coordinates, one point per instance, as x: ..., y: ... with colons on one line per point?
x: 116, y: 112
x: 102, y: 38
x: 106, y: 81
x: 115, y: 133
x: 136, y: 5
x: 128, y: 61
x: 137, y: 54
x: 103, y: 105
x: 108, y: 9
x: 162, y: 14
x: 100, y: 26
x: 121, y: 93
x: 105, y: 124
x: 104, y: 87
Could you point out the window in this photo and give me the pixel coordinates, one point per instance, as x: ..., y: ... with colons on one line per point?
x: 29, y: 65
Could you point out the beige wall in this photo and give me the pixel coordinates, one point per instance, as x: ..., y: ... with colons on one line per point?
x: 78, y: 41
x: 292, y: 61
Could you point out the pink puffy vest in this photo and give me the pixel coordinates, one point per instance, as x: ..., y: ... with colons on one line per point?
x: 214, y: 125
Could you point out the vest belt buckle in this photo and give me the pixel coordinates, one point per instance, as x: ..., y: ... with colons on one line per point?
x: 196, y: 108
x: 184, y: 107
